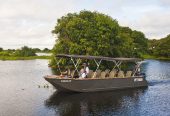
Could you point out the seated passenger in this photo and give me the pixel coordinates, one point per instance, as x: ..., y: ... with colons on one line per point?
x: 90, y: 74
x: 67, y: 73
x: 87, y: 69
x: 84, y: 71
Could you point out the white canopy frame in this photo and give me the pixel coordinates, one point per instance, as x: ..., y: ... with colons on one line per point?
x: 97, y: 63
x: 77, y: 60
x: 117, y: 64
x: 58, y: 64
x: 137, y: 67
x: 76, y: 64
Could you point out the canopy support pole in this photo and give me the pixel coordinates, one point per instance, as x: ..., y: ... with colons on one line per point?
x: 98, y: 64
x: 58, y: 64
x: 76, y: 64
x: 136, y: 68
x: 117, y: 64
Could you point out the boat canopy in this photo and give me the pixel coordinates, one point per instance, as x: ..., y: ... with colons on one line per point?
x: 98, y: 58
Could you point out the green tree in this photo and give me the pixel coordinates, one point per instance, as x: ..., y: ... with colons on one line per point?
x: 1, y: 49
x: 128, y: 46
x: 93, y: 33
x: 160, y: 47
x: 89, y: 33
x: 135, y: 42
x: 46, y: 50
x: 4, y: 53
x: 36, y: 49
x: 140, y: 43
x: 25, y: 52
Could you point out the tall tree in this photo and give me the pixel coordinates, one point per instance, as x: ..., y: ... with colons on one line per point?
x: 160, y: 47
x: 93, y: 33
x: 25, y: 51
x: 89, y: 33
x: 1, y: 49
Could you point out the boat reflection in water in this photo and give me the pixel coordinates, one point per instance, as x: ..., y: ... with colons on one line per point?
x: 99, y: 103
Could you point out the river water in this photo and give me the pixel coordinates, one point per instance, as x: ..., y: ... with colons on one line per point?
x: 24, y: 92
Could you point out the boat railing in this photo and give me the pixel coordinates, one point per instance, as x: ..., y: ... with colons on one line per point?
x: 99, y: 74
x: 116, y: 71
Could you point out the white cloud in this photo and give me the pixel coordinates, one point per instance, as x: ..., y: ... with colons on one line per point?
x: 29, y: 22
x: 154, y: 25
x: 151, y: 19
x: 24, y: 22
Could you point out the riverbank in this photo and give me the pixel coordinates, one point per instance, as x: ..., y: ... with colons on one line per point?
x: 48, y: 57
x: 23, y: 58
x: 155, y: 57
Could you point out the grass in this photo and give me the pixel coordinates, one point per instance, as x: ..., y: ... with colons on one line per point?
x: 23, y: 58
x: 146, y: 56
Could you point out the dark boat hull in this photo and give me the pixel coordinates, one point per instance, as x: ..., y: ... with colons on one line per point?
x: 93, y: 85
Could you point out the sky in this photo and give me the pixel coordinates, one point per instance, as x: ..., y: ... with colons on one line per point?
x: 30, y: 22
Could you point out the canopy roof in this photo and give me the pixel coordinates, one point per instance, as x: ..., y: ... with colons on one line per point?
x: 98, y: 57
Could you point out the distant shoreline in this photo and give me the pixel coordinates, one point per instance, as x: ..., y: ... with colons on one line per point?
x: 23, y: 58
x: 48, y: 57
x: 155, y: 57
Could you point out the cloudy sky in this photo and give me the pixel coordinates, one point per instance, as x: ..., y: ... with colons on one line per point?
x: 29, y: 22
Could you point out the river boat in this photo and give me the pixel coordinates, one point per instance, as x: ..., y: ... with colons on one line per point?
x: 97, y: 80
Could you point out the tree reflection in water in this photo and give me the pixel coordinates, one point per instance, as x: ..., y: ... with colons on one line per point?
x: 99, y: 103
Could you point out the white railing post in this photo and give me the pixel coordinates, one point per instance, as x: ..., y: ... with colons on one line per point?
x: 117, y: 64
x: 98, y: 64
x: 136, y: 68
x: 58, y: 64
x: 76, y: 64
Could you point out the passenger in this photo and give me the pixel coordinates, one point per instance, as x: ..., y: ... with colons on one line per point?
x: 66, y: 73
x: 84, y: 71
x: 87, y: 69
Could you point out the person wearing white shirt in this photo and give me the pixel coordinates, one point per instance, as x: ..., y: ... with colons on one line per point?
x: 87, y: 70
x: 84, y: 71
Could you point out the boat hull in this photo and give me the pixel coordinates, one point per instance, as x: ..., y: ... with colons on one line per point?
x: 93, y: 85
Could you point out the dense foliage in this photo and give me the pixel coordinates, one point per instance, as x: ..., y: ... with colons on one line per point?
x: 46, y: 50
x: 135, y: 43
x: 25, y: 52
x: 1, y: 49
x: 160, y: 47
x: 93, y: 33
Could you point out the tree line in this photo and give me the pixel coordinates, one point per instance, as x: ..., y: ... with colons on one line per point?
x: 24, y: 51
x: 160, y: 47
